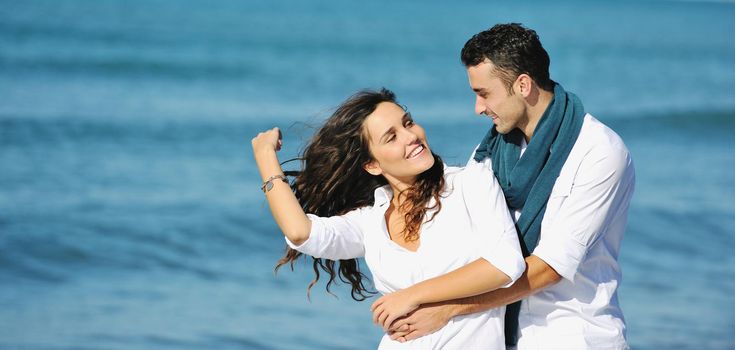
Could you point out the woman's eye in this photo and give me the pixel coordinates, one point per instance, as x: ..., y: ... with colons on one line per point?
x: 391, y: 138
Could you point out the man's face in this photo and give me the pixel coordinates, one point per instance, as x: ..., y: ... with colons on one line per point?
x: 507, y: 111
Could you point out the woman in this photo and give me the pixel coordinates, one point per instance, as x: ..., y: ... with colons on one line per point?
x: 428, y: 233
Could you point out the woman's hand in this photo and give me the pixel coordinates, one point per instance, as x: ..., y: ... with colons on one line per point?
x: 266, y: 141
x: 393, y: 306
x: 427, y: 319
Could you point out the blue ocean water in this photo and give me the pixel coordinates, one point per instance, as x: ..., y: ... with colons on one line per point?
x: 130, y: 209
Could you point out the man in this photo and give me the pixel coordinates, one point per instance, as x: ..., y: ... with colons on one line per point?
x: 568, y: 180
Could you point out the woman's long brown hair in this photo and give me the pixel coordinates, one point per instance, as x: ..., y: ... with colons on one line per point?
x: 333, y: 182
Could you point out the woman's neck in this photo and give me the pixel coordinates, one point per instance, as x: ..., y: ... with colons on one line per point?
x: 399, y: 187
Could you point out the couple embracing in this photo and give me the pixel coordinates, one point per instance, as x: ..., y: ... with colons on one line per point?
x: 519, y: 248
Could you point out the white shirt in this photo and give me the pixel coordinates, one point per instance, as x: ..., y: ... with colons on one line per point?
x: 580, y: 238
x: 473, y: 223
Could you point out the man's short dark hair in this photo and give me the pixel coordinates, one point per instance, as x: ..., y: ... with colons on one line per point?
x: 514, y: 50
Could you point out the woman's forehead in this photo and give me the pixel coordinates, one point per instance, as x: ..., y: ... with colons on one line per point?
x: 385, y: 116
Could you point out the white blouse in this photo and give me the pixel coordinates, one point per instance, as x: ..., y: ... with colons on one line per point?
x: 473, y: 223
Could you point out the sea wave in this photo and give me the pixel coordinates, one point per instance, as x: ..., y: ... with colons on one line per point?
x: 52, y: 249
x: 131, y: 67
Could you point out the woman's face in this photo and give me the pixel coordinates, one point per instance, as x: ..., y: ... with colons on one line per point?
x: 398, y: 145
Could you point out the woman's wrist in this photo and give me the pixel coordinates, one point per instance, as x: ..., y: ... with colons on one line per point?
x: 267, y: 162
x: 264, y: 153
x: 418, y: 294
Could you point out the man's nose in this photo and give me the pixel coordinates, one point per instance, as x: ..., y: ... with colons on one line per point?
x: 479, y: 105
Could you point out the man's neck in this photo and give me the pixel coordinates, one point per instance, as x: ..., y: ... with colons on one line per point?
x: 537, y: 105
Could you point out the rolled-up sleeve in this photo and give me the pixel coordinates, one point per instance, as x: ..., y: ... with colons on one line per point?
x: 492, y: 222
x: 334, y: 238
x: 582, y: 209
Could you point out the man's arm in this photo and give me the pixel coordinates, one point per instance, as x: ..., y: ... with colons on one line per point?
x: 472, y: 279
x: 538, y: 275
x: 431, y: 317
x: 602, y: 187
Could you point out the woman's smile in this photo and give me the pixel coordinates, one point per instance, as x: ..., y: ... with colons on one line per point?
x: 417, y: 151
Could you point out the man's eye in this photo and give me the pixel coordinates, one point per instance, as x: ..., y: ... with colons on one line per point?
x: 391, y: 138
x: 408, y: 122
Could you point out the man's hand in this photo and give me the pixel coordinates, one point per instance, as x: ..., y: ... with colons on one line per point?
x: 429, y: 318
x: 425, y: 320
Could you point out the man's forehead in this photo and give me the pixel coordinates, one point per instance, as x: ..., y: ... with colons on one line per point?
x: 482, y: 75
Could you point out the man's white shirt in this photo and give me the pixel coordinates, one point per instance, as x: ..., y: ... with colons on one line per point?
x: 580, y: 239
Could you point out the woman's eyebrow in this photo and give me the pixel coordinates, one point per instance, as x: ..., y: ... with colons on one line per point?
x: 387, y: 132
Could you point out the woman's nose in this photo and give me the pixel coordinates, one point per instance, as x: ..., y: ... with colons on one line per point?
x: 411, y: 137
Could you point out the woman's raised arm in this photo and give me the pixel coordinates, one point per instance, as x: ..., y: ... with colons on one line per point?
x: 285, y: 208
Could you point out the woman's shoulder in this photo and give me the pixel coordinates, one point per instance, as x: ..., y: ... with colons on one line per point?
x: 470, y: 172
x: 451, y: 170
x: 474, y: 175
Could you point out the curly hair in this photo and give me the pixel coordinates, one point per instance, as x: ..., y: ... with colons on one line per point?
x: 333, y: 182
x: 514, y: 50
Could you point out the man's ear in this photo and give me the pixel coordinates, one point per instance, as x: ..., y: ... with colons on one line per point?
x: 523, y: 85
x: 373, y: 168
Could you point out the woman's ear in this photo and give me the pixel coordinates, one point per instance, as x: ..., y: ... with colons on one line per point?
x: 373, y: 168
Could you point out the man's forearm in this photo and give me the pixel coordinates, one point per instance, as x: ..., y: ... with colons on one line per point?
x: 430, y: 317
x: 538, y: 275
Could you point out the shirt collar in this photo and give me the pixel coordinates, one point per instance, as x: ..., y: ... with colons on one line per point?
x: 382, y: 196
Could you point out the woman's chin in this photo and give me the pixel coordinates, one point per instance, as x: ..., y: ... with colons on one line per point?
x: 426, y: 164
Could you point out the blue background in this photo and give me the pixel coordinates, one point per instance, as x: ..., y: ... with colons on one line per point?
x: 130, y: 209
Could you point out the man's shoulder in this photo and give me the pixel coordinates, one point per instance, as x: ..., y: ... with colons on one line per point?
x: 596, y: 142
x: 598, y: 150
x: 597, y: 137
